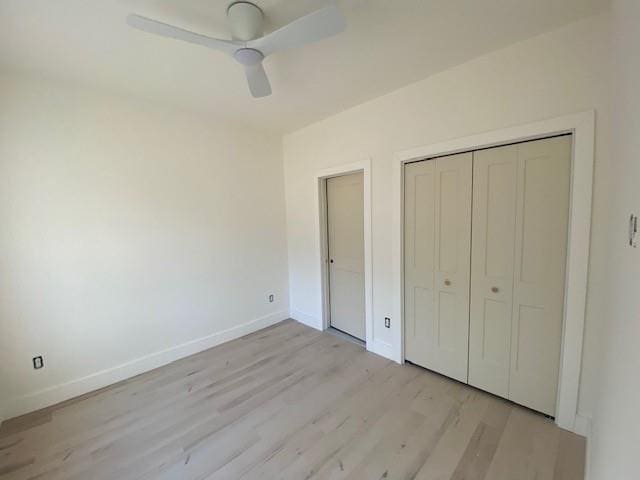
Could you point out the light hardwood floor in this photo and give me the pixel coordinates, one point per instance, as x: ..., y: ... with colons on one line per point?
x: 288, y: 402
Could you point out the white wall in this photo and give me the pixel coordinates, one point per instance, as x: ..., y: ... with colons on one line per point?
x: 561, y: 72
x: 125, y: 230
x: 615, y: 441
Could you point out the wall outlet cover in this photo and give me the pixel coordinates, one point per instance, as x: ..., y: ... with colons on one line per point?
x: 38, y: 362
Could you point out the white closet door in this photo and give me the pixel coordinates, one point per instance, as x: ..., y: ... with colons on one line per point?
x: 539, y: 280
x: 495, y: 174
x: 345, y: 222
x: 520, y: 215
x: 436, y: 252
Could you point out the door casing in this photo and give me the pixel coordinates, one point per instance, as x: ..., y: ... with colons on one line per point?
x: 320, y: 178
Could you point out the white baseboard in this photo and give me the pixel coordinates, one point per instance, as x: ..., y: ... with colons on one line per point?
x: 381, y: 348
x: 65, y: 391
x: 378, y: 347
x: 582, y: 425
x: 306, y: 319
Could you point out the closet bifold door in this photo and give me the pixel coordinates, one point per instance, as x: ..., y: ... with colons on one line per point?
x: 437, y: 245
x: 520, y: 216
x: 542, y: 217
x: 495, y: 175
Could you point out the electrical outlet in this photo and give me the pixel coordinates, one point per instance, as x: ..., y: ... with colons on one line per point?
x: 387, y: 322
x: 38, y: 363
x: 271, y: 298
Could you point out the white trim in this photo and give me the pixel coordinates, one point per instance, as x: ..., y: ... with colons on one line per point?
x: 586, y: 424
x: 382, y: 348
x: 320, y: 177
x: 64, y: 391
x: 306, y: 319
x: 582, y: 126
x: 582, y: 425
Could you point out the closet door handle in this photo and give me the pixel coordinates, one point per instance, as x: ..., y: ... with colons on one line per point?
x: 495, y: 289
x: 447, y: 282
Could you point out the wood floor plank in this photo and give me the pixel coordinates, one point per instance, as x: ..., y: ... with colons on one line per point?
x: 287, y: 402
x: 482, y: 446
x: 570, y: 455
x: 447, y: 453
x: 529, y: 456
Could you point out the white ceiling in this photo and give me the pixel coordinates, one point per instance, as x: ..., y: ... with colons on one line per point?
x: 388, y: 44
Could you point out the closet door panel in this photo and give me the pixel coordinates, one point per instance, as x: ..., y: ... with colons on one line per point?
x: 539, y: 271
x: 419, y: 255
x: 437, y: 256
x: 492, y: 263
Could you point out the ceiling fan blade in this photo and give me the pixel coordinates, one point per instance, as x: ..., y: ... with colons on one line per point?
x: 153, y: 26
x: 318, y: 25
x: 258, y: 80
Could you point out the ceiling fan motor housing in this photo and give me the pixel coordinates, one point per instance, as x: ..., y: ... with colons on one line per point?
x: 245, y: 21
x: 248, y: 56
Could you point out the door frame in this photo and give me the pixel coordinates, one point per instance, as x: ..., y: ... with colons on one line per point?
x: 582, y: 127
x: 364, y: 167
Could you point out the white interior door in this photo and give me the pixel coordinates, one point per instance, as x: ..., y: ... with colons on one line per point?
x: 345, y: 225
x: 495, y: 173
x: 520, y: 215
x: 437, y: 255
x: 542, y: 216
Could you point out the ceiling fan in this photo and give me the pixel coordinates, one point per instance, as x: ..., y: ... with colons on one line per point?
x: 248, y: 46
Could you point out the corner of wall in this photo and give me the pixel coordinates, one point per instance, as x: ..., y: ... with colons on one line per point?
x: 306, y: 319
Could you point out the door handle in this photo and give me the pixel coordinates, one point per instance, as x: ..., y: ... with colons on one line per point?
x: 447, y: 282
x: 331, y: 261
x: 495, y: 289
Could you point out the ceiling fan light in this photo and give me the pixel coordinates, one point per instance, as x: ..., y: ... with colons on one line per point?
x: 248, y: 56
